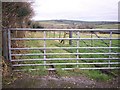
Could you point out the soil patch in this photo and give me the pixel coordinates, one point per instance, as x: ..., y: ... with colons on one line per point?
x: 28, y: 81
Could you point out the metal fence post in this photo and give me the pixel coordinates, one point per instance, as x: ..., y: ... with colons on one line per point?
x: 110, y: 44
x: 92, y: 42
x: 44, y: 50
x: 78, y: 43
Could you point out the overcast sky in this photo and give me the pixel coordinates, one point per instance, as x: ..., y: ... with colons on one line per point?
x: 87, y: 10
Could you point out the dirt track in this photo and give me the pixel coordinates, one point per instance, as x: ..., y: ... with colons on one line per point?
x: 27, y: 81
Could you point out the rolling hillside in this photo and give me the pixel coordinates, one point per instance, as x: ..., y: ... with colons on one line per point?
x: 78, y: 24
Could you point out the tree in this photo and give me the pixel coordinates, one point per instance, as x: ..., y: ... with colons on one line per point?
x: 15, y: 15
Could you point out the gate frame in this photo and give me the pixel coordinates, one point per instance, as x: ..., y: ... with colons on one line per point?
x: 111, y: 31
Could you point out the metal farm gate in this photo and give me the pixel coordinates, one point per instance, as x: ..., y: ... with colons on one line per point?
x: 64, y: 49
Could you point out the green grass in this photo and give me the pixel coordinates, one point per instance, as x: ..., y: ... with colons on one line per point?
x: 108, y: 26
x: 40, y: 72
x: 95, y: 74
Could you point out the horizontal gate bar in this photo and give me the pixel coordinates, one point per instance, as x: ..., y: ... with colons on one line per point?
x: 71, y: 68
x: 17, y: 65
x: 46, y: 29
x: 47, y: 59
x: 93, y: 68
x: 65, y: 38
x: 42, y: 48
x: 37, y: 54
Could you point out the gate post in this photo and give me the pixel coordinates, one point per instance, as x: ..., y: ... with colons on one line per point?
x: 5, y: 44
x: 9, y: 45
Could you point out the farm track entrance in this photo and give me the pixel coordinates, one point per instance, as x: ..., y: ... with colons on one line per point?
x: 81, y: 49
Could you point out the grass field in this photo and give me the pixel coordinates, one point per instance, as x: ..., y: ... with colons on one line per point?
x: 95, y: 74
x: 108, y: 26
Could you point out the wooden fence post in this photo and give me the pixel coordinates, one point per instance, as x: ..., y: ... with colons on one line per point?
x: 70, y: 36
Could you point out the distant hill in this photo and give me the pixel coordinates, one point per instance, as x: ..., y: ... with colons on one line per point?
x: 60, y: 24
x: 79, y: 22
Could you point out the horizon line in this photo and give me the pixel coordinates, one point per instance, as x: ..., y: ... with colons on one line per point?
x: 79, y: 20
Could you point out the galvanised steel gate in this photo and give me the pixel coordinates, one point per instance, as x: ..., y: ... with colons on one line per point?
x: 65, y: 49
